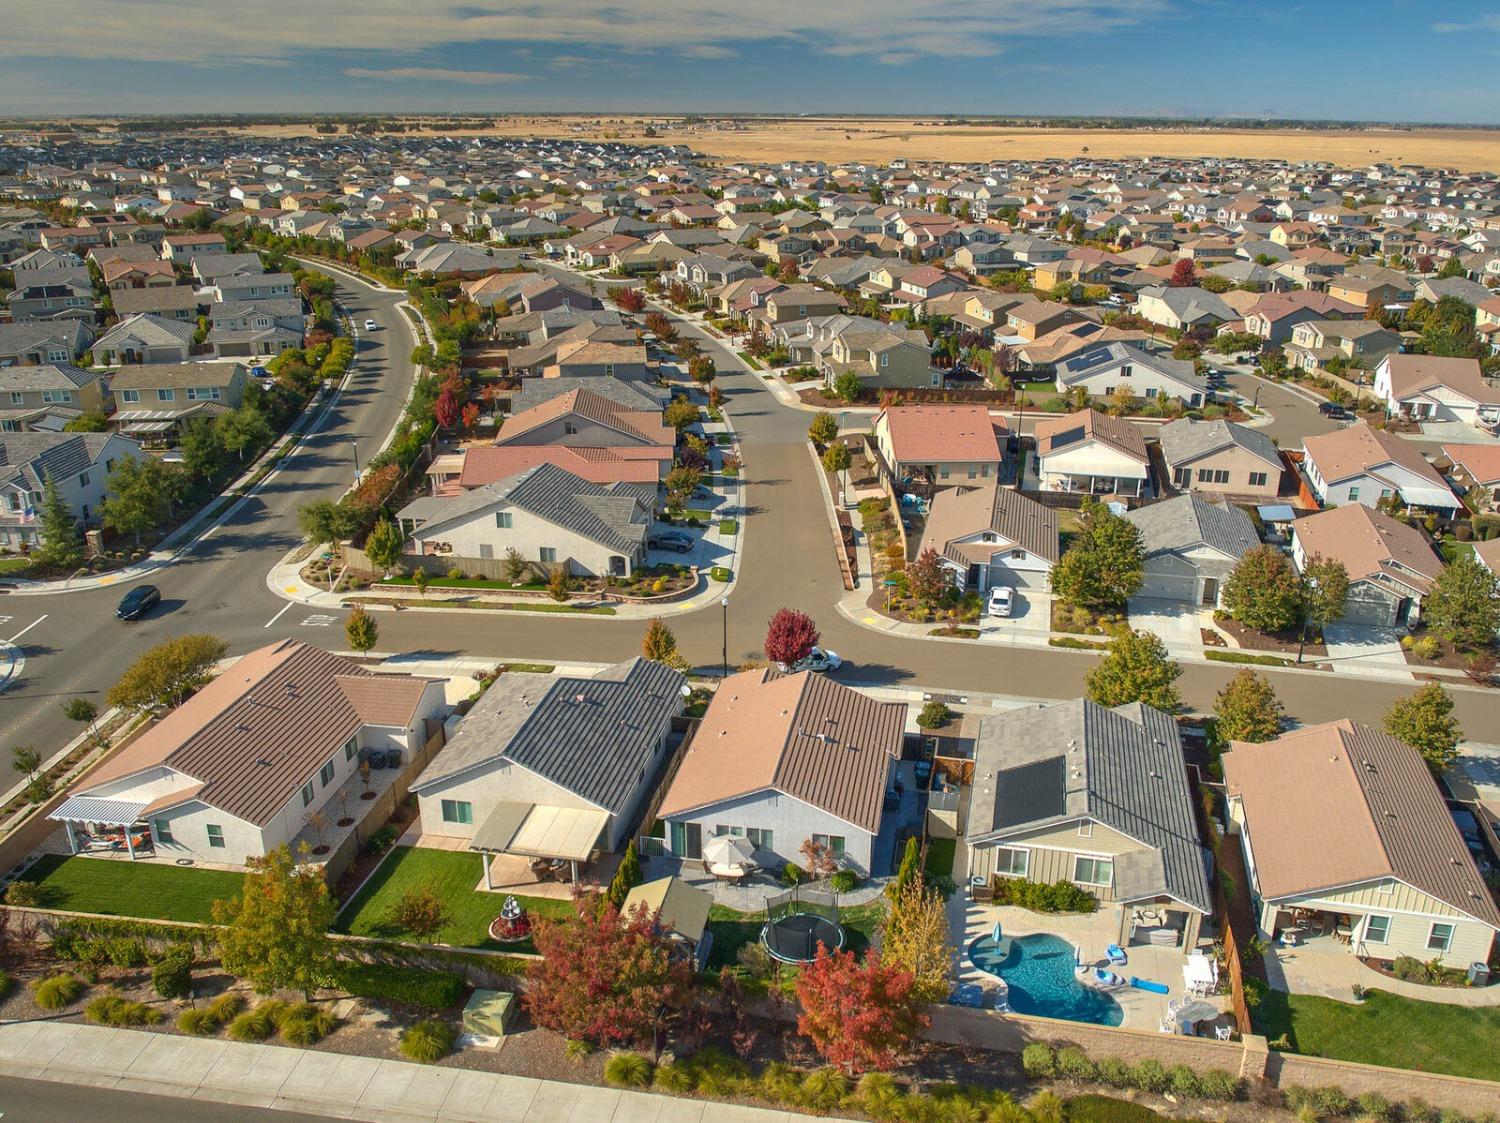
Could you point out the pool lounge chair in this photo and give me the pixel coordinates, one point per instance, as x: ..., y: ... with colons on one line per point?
x: 1107, y: 978
x: 1116, y: 955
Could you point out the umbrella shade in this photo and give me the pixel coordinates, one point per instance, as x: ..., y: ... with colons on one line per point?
x: 1197, y: 1011
x: 728, y: 850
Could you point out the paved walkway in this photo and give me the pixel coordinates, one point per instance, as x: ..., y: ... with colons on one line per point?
x: 1328, y: 968
x: 272, y: 1076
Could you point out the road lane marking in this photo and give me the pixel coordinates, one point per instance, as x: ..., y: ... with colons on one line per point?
x: 28, y: 627
x: 279, y: 615
x: 318, y: 620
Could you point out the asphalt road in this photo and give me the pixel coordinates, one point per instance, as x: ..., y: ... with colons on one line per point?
x: 37, y: 1101
x: 74, y: 647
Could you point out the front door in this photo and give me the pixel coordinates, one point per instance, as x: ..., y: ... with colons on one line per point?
x: 1210, y: 591
x: 975, y: 579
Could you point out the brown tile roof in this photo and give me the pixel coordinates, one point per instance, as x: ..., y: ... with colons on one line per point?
x: 1481, y: 462
x: 804, y: 735
x: 1412, y: 374
x: 1057, y: 433
x: 1348, y: 452
x: 1367, y: 542
x: 645, y: 427
x: 486, y: 465
x: 958, y: 512
x: 933, y: 434
x: 1340, y: 803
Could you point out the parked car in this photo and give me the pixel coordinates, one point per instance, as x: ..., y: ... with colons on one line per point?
x: 1002, y: 601
x: 139, y: 601
x: 1332, y: 409
x: 817, y: 659
x: 670, y: 540
x: 369, y: 325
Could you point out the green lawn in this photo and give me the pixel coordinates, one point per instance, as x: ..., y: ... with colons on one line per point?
x: 138, y: 889
x: 1388, y: 1030
x: 14, y: 565
x: 940, y: 852
x: 732, y: 929
x: 452, y: 875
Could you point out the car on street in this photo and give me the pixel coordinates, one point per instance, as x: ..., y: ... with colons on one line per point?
x: 369, y: 325
x: 817, y: 660
x: 1002, y: 601
x: 139, y: 601
x: 1332, y: 409
x: 670, y: 540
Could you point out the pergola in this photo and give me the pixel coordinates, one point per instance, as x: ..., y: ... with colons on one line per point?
x: 533, y: 830
x: 88, y: 810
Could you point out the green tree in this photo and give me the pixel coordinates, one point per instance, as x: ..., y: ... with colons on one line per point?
x: 1248, y: 709
x: 680, y: 484
x: 136, y: 497
x: 516, y: 567
x: 25, y: 760
x: 1106, y: 563
x: 824, y: 427
x: 419, y: 580
x: 275, y: 931
x: 383, y: 546
x: 166, y: 673
x: 243, y: 429
x: 837, y: 458
x: 326, y: 521
x: 93, y: 421
x: 848, y: 386
x: 909, y: 870
x: 627, y: 876
x: 680, y: 413
x: 62, y: 545
x: 915, y: 939
x: 1263, y: 591
x: 702, y: 369
x: 202, y: 451
x: 1425, y: 721
x: 1464, y: 604
x: 83, y: 711
x: 1325, y: 584
x: 1136, y: 669
x: 361, y: 630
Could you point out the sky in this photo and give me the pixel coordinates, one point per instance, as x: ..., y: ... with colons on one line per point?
x: 1397, y: 60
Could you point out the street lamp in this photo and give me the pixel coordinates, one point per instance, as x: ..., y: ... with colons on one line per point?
x: 724, y: 604
x: 354, y: 445
x: 1309, y: 586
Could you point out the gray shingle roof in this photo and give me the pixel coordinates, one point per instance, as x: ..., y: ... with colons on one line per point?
x: 1122, y: 767
x: 1187, y: 520
x: 48, y: 376
x: 1186, y: 440
x: 29, y: 459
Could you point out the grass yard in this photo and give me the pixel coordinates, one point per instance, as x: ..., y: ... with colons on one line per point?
x: 1388, y: 1030
x: 940, y: 854
x: 14, y: 565
x: 138, y: 889
x: 450, y: 874
x: 732, y: 929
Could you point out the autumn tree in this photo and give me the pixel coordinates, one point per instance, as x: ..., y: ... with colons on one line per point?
x: 818, y: 858
x: 925, y: 579
x: 680, y: 484
x: 702, y: 369
x: 837, y: 458
x: 660, y: 646
x: 558, y: 583
x: 606, y: 979
x: 791, y: 637
x: 858, y: 1015
x: 627, y: 299
x: 1464, y: 604
x: 419, y: 911
x: 1425, y: 721
x: 383, y: 546
x: 680, y: 413
x: 361, y: 630
x: 1263, y: 591
x: 1183, y: 274
x: 166, y: 673
x: 661, y: 327
x: 1136, y: 669
x: 275, y: 931
x: 916, y: 939
x: 824, y: 427
x: 445, y: 409
x: 1247, y: 709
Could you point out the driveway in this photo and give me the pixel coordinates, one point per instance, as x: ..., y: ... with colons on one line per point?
x: 1176, y: 622
x: 1031, y: 614
x: 1364, y: 649
x: 1455, y: 432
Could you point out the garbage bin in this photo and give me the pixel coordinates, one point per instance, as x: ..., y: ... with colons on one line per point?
x: 1479, y: 974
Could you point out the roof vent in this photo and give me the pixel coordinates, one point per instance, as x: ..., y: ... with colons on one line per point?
x: 580, y: 699
x: 263, y: 762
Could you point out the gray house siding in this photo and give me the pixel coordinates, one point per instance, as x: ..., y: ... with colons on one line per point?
x: 790, y: 821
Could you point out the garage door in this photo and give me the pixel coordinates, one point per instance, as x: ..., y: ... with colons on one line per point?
x: 1035, y: 580
x: 1166, y: 586
x: 1368, y: 606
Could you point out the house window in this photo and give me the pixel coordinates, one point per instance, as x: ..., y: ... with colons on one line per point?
x: 502, y: 520
x: 203, y: 393
x: 55, y: 397
x: 1086, y: 829
x: 458, y: 811
x: 569, y: 428
x: 307, y: 793
x: 761, y: 840
x: 1012, y: 861
x: 166, y: 395
x: 1440, y: 937
x: 215, y: 836
x: 83, y: 479
x: 163, y: 831
x: 1353, y: 494
x: 325, y: 773
x: 1377, y: 929
x: 1213, y: 475
x: 131, y: 396
x: 1257, y: 479
x: 350, y: 748
x: 937, y: 378
x: 973, y: 471
x: 885, y: 360
x: 834, y: 842
x: 547, y: 555
x: 17, y: 398
x: 1093, y: 871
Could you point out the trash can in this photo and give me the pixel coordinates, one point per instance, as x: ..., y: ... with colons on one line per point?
x: 1479, y: 974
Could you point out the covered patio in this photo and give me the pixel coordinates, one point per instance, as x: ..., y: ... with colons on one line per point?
x: 552, y: 841
x: 97, y: 825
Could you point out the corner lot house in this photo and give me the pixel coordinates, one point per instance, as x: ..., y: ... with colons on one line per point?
x: 991, y: 535
x: 1103, y: 368
x: 1091, y: 452
x: 239, y: 768
x: 553, y: 767
x: 1096, y: 796
x: 1349, y: 844
x: 1432, y: 388
x: 78, y: 463
x: 940, y: 444
x: 780, y: 759
x: 1221, y: 458
x: 1192, y: 544
x: 1364, y: 465
x: 1391, y: 565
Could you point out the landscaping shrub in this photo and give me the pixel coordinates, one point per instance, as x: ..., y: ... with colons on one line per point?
x: 672, y: 1077
x: 628, y: 1070
x: 259, y: 1023
x: 1183, y: 1081
x: 427, y: 1041
x: 306, y: 1024
x: 118, y: 1011
x: 877, y: 1093
x: 1038, y: 1060
x: 127, y: 951
x: 196, y: 1023
x: 1331, y: 1101
x: 213, y: 1017
x: 172, y: 974
x: 1217, y: 1084
x: 1419, y: 1111
x: 411, y: 986
x: 933, y: 715
x: 1114, y: 1072
x: 1372, y: 1105
x: 1039, y: 896
x: 823, y: 1089
x: 844, y: 881
x: 1149, y: 1076
x: 6, y: 983
x: 1427, y: 648
x: 1074, y: 1064
x: 381, y: 841
x: 576, y: 1048
x: 791, y: 874
x: 23, y: 894
x: 57, y: 992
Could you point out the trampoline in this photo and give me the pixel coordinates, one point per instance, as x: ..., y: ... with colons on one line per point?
x: 798, y: 921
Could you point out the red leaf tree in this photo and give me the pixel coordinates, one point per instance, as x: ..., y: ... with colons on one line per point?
x: 791, y: 636
x: 858, y: 1016
x: 445, y: 409
x: 605, y: 978
x: 627, y: 299
x: 471, y: 415
x: 1183, y: 274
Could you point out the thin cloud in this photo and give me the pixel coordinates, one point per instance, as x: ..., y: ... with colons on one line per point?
x: 438, y: 74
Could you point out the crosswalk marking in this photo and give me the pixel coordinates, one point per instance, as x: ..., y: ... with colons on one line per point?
x: 319, y: 621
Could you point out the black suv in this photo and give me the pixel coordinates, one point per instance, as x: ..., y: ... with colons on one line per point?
x: 139, y: 601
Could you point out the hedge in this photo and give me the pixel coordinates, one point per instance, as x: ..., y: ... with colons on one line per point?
x: 410, y: 986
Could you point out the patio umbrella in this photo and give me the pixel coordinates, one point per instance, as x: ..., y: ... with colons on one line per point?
x: 728, y: 850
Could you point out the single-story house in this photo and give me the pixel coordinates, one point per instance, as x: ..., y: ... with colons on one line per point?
x: 781, y: 759
x: 1101, y: 369
x: 1433, y: 388
x: 1220, y: 457
x: 1348, y: 840
x: 991, y: 535
x: 1473, y: 466
x: 1099, y: 797
x: 1364, y: 465
x: 1191, y: 544
x: 940, y: 444
x: 1391, y: 565
x: 1092, y: 452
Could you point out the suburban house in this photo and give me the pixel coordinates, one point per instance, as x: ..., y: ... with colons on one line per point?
x: 795, y: 302
x: 1356, y: 343
x: 154, y: 401
x: 1222, y: 458
x: 1107, y: 366
x: 1364, y: 465
x: 781, y: 759
x: 249, y: 762
x: 1099, y: 797
x: 1348, y: 841
x: 1372, y: 292
x: 1432, y: 388
x: 47, y: 397
x: 1091, y: 452
x: 255, y: 327
x: 1192, y: 543
x: 940, y: 444
x: 145, y: 338
x: 881, y: 355
x: 170, y: 302
x: 51, y: 295
x: 582, y: 419
x: 1391, y: 565
x: 78, y: 463
x: 1183, y: 308
x: 553, y: 767
x: 549, y: 516
x: 989, y: 535
x: 1473, y: 466
x: 53, y: 341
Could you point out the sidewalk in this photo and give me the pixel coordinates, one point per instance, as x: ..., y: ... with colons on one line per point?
x: 274, y: 1077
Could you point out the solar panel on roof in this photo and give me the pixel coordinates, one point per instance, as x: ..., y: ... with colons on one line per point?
x: 1031, y: 791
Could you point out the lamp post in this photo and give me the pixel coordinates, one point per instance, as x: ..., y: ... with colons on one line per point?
x: 1309, y: 586
x: 724, y: 669
x: 354, y: 445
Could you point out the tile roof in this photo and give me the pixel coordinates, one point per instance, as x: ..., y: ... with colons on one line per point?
x: 1413, y: 374
x: 29, y: 459
x: 1185, y: 521
x: 644, y: 427
x: 1481, y: 462
x: 1370, y: 543
x: 958, y: 512
x: 486, y: 465
x: 1185, y: 440
x: 1349, y: 452
x: 1340, y: 803
x: 935, y: 434
x: 1055, y: 434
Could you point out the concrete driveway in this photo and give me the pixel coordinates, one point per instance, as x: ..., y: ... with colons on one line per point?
x: 1176, y: 622
x: 1031, y: 615
x: 1365, y: 649
x: 1458, y: 432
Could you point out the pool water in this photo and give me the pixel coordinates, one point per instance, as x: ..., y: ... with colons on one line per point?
x: 1039, y: 971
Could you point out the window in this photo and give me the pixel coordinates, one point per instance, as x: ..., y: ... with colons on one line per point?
x: 1182, y: 477
x: 203, y: 393
x: 458, y: 811
x: 166, y: 395
x: 215, y: 836
x: 83, y: 479
x: 502, y: 520
x: 163, y: 831
x: 1257, y: 479
x: 56, y: 397
x: 1151, y: 391
x: 1213, y: 475
x: 1354, y: 495
x: 307, y: 793
x: 570, y: 428
x: 1011, y: 861
x: 761, y: 840
x: 973, y: 471
x: 885, y: 360
x: 350, y: 748
x: 547, y: 555
x: 1377, y: 929
x: 1086, y: 829
x: 326, y: 773
x: 17, y: 398
x: 130, y: 396
x: 1093, y: 871
x: 609, y: 370
x: 1440, y: 937
x: 834, y: 842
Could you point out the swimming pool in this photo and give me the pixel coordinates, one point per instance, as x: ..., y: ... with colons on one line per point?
x: 1038, y: 969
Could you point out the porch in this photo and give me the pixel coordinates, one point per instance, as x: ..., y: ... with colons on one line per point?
x: 1078, y: 483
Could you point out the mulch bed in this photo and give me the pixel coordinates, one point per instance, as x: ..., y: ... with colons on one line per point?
x: 1449, y: 656
x: 1279, y: 642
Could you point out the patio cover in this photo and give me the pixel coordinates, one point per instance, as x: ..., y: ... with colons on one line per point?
x: 149, y: 426
x: 540, y: 831
x: 93, y: 809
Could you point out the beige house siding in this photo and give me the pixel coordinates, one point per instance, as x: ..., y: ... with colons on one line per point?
x: 1239, y: 463
x: 1053, y: 851
x: 483, y: 788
